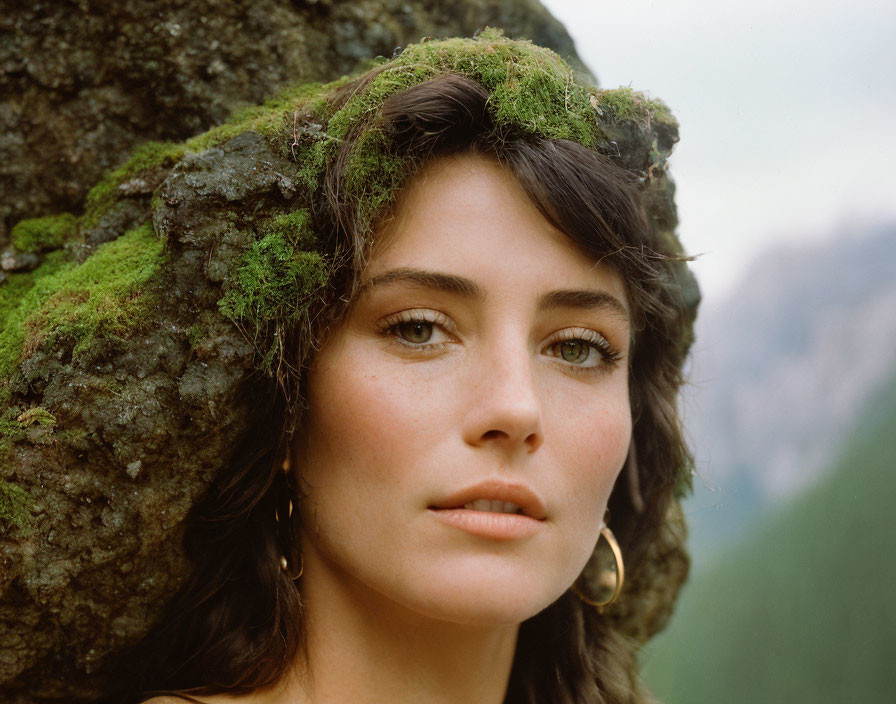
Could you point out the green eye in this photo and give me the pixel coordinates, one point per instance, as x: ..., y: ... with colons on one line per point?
x: 416, y: 332
x: 575, y: 351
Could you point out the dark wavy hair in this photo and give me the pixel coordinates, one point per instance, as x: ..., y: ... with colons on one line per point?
x: 236, y: 624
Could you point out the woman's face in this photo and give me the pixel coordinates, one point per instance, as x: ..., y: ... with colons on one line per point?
x: 468, y: 418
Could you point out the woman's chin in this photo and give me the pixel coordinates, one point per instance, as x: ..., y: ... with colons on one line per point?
x: 485, y: 603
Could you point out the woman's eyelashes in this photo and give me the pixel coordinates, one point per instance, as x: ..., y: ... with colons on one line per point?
x: 421, y: 329
x: 583, y: 350
x: 580, y: 349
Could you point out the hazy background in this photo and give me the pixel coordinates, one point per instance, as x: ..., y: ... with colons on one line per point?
x: 786, y: 174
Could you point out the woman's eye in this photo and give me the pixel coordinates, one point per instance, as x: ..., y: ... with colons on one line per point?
x: 416, y: 332
x: 418, y: 328
x: 584, y: 349
x: 575, y: 351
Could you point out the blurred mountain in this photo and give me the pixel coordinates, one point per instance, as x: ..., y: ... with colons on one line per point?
x: 782, y: 369
x: 801, y: 611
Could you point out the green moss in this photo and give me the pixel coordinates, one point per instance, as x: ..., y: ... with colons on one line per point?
x: 294, y: 227
x: 103, y: 296
x: 150, y: 155
x: 627, y: 104
x: 373, y: 175
x: 21, y: 295
x: 531, y: 87
x: 274, y: 287
x: 19, y: 283
x: 41, y: 234
x: 267, y: 119
x: 15, y: 506
x: 274, y: 282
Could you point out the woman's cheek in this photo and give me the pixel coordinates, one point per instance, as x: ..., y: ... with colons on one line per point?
x: 593, y: 433
x: 374, y: 418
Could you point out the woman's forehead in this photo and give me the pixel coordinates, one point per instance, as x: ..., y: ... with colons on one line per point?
x: 468, y: 216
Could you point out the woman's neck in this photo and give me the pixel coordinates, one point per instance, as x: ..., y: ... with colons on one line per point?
x: 362, y: 646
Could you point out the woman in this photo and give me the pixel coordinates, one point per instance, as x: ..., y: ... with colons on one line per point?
x: 490, y: 366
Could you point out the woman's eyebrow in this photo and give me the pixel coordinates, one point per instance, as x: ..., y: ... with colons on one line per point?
x: 450, y: 283
x: 585, y: 298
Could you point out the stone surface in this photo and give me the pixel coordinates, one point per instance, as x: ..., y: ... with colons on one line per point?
x: 134, y: 429
x: 83, y: 81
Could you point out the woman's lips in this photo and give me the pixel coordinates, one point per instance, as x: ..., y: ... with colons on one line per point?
x: 496, y: 526
x: 495, y: 509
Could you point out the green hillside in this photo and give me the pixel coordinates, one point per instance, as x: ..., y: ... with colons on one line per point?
x: 805, y: 609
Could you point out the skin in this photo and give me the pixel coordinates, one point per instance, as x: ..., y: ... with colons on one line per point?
x: 425, y: 389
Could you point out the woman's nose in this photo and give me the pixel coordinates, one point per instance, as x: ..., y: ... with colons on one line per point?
x: 504, y: 409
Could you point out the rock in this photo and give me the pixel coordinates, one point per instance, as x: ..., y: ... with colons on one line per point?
x: 117, y: 422
x: 11, y: 260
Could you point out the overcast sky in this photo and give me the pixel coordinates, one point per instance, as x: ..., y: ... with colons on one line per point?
x: 787, y: 112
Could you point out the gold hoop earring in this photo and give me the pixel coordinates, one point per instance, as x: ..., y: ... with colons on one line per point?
x: 591, y: 574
